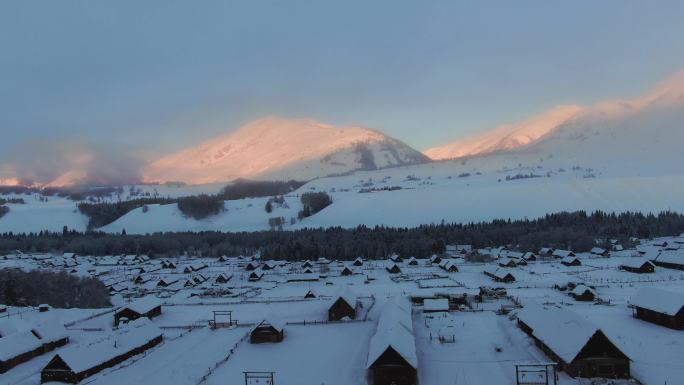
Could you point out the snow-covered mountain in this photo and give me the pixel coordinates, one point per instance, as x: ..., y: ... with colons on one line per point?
x: 506, y: 136
x: 635, y: 137
x: 275, y: 148
x: 649, y: 127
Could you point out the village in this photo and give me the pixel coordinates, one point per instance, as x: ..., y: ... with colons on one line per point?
x: 470, y: 316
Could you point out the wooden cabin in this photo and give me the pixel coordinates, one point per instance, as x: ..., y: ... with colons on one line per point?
x: 343, y: 306
x: 256, y: 275
x: 393, y: 269
x: 396, y: 258
x: 660, y: 307
x: 499, y: 275
x: 638, y: 265
x: 561, y: 254
x: 412, y: 262
x: 18, y: 347
x: 251, y: 266
x: 599, y: 251
x: 223, y: 278
x: 571, y: 260
x: 578, y: 346
x: 267, y: 331
x: 149, y: 307
x: 346, y: 271
x: 671, y: 259
x: 583, y: 293
x: 358, y: 262
x: 435, y: 259
x: 75, y: 363
x: 392, y: 358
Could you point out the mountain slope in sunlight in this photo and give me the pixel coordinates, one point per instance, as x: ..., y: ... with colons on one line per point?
x: 506, y: 136
x: 624, y: 136
x: 275, y: 148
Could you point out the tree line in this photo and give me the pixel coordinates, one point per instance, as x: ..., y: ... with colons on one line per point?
x: 61, y: 290
x: 576, y: 231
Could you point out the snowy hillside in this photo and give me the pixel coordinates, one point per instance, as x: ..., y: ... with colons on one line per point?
x: 647, y: 128
x: 507, y: 136
x: 275, y: 148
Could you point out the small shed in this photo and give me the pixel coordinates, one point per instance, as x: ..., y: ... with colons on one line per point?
x: 599, y: 251
x: 346, y: 271
x: 343, y: 306
x: 396, y: 258
x: 571, y: 260
x: 499, y: 275
x: 660, y: 307
x: 251, y: 266
x: 583, y: 293
x: 267, y: 331
x: 358, y: 262
x: 435, y: 259
x: 256, y: 275
x: 412, y: 261
x: 563, y: 253
x: 223, y: 278
x: 393, y: 269
x: 149, y: 307
x: 638, y: 265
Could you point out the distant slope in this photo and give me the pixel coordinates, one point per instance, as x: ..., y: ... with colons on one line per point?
x: 274, y: 148
x: 649, y: 125
x: 507, y: 136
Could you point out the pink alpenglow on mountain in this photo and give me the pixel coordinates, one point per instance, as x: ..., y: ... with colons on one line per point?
x: 507, y: 136
x: 275, y: 148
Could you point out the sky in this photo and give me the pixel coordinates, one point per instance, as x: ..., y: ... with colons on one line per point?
x: 146, y: 78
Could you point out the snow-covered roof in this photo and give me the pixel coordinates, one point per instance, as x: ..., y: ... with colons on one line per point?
x: 597, y: 250
x: 8, y: 326
x: 563, y: 331
x: 581, y: 289
x: 50, y: 331
x: 89, y: 354
x: 636, y: 262
x: 562, y: 253
x: 439, y: 304
x: 394, y: 330
x: 569, y: 259
x: 18, y: 343
x: 671, y: 256
x: 348, y: 295
x: 144, y: 304
x: 658, y: 300
x: 277, y: 324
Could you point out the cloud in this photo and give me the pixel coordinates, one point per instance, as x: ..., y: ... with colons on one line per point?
x: 69, y: 162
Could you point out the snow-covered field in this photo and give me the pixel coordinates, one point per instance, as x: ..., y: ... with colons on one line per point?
x: 486, y: 345
x: 429, y: 193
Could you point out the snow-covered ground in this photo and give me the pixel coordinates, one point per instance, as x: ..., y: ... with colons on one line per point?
x: 428, y: 193
x: 485, y: 349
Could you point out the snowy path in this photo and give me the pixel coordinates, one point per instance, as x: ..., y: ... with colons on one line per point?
x: 472, y: 359
x: 330, y: 354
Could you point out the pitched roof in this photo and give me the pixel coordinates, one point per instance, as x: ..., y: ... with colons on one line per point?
x: 563, y: 331
x: 636, y: 262
x: 395, y: 330
x: 658, y: 300
x: 671, y: 256
x: 89, y: 354
x: 144, y: 304
x: 18, y: 343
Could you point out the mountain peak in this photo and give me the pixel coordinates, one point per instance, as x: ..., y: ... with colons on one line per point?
x: 274, y: 147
